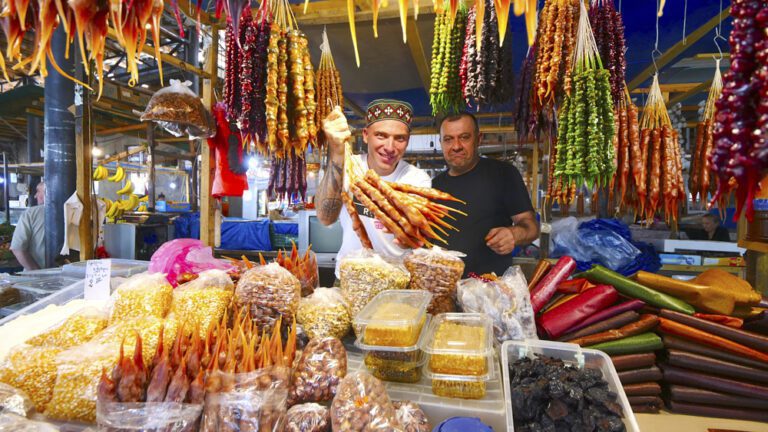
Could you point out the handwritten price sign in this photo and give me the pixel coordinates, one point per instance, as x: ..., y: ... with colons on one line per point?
x: 97, y: 276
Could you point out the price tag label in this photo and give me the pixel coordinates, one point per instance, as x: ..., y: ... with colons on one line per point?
x: 97, y: 276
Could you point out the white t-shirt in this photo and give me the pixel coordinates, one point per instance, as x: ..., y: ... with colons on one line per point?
x: 383, y: 244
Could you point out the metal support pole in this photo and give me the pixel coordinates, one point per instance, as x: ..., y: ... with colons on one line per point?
x: 34, y: 145
x: 60, y: 160
x: 152, y: 192
x: 6, y: 181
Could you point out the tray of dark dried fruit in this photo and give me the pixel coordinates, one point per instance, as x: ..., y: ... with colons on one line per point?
x: 560, y: 386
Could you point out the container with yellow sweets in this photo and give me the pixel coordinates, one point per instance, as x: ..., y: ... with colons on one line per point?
x: 393, y: 318
x: 459, y: 344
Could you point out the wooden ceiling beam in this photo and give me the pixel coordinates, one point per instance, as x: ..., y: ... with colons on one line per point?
x: 678, y: 48
x: 173, y: 61
x: 692, y: 92
x: 670, y: 88
x: 335, y: 12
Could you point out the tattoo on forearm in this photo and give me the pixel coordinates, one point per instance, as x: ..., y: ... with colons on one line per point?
x: 329, y: 193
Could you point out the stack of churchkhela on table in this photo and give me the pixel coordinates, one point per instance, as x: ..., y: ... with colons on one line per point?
x: 697, y: 347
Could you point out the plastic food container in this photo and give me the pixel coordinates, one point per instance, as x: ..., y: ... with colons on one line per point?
x: 397, y: 364
x: 118, y: 268
x: 490, y: 409
x: 46, y: 285
x: 459, y: 344
x: 461, y: 386
x: 393, y: 318
x: 570, y: 354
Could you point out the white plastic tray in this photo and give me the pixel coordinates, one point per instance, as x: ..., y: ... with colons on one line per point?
x: 490, y: 409
x: 570, y: 354
x: 120, y: 268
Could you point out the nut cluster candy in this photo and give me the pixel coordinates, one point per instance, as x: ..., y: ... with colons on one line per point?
x: 438, y: 272
x: 362, y: 404
x: 271, y: 292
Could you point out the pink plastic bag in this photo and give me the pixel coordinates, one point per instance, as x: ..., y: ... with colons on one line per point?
x: 181, y: 257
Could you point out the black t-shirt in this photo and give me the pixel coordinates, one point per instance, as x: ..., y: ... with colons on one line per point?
x: 494, y: 192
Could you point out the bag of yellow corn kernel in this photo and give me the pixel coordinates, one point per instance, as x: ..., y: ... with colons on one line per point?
x: 149, y: 330
x: 202, y: 302
x: 141, y: 295
x: 77, y: 329
x: 77, y: 380
x: 32, y: 370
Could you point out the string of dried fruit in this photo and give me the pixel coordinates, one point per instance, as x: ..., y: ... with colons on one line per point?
x: 232, y: 74
x: 556, y: 41
x: 253, y: 75
x: 469, y: 52
x: 740, y: 153
x: 297, y: 103
x: 283, y: 131
x: 627, y: 139
x: 608, y: 27
x: 309, y: 92
x: 661, y: 181
x: 525, y: 122
x: 445, y: 88
x: 585, y: 149
x: 272, y: 103
x: 329, y: 91
x: 699, y: 180
x: 491, y: 59
x: 288, y: 176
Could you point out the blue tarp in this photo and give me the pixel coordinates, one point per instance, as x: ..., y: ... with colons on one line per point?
x: 236, y: 233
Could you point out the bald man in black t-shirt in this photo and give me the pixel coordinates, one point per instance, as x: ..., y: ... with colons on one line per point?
x: 500, y: 215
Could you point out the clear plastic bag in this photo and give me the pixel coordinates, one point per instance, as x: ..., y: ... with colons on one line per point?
x: 78, y: 375
x: 593, y: 242
x: 32, y: 370
x: 149, y: 330
x: 77, y: 329
x: 203, y: 301
x: 11, y: 422
x: 271, y: 292
x: 362, y: 404
x: 506, y: 300
x: 303, y: 267
x: 13, y: 400
x: 308, y: 417
x: 438, y: 271
x: 180, y: 111
x: 411, y: 416
x: 141, y: 295
x: 324, y: 314
x: 262, y: 411
x: 322, y: 365
x: 364, y: 274
x: 148, y: 417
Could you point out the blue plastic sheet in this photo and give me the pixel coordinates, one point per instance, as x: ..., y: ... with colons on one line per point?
x: 245, y: 235
x: 607, y: 242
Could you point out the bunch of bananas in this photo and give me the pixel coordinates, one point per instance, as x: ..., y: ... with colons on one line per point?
x: 127, y: 189
x: 118, y: 176
x: 100, y: 173
x: 118, y: 207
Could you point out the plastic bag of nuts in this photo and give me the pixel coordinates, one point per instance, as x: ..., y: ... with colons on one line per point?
x: 364, y: 274
x: 181, y: 112
x: 270, y: 292
x: 410, y: 415
x: 323, y: 364
x: 362, y: 404
x: 204, y: 300
x: 79, y: 328
x: 438, y: 271
x: 154, y: 417
x: 141, y: 295
x: 506, y: 300
x: 32, y: 370
x: 246, y: 401
x: 324, y: 314
x: 308, y: 417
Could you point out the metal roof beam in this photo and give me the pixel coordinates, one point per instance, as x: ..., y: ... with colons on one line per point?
x: 679, y: 48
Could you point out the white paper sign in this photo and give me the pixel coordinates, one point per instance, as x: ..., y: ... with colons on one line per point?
x: 97, y: 276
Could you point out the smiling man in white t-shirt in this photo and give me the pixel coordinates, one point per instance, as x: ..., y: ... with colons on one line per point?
x: 387, y: 131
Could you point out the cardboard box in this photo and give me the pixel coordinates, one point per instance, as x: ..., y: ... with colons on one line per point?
x: 678, y: 259
x: 725, y: 262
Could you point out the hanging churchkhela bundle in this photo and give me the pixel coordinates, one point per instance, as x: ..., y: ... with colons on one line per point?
x: 585, y: 149
x: 741, y: 123
x: 656, y: 163
x: 626, y: 144
x: 248, y: 89
x: 608, y: 28
x: 288, y: 177
x: 700, y: 180
x: 447, y: 49
x: 556, y: 41
x: 486, y: 73
x: 329, y: 91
